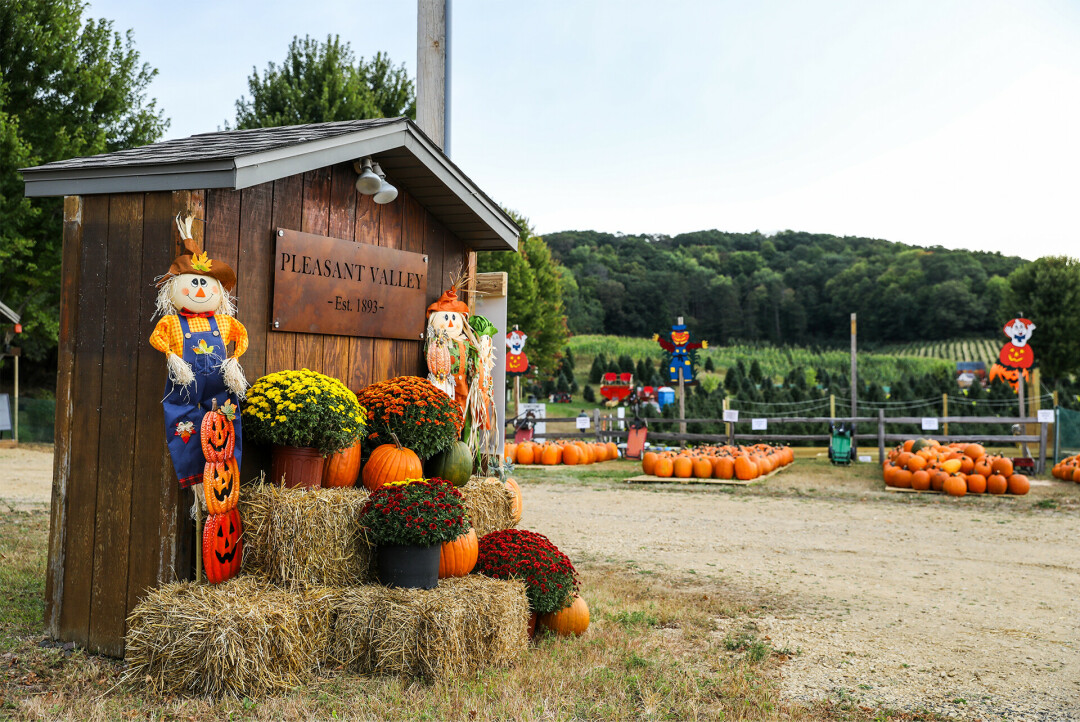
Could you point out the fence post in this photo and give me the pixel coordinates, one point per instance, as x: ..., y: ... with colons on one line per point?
x: 1042, y: 449
x: 832, y: 406
x: 881, y: 436
x: 596, y: 422
x: 945, y: 412
x: 727, y: 425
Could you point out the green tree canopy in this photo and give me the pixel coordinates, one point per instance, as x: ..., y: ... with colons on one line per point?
x: 1048, y: 292
x: 321, y: 82
x: 69, y: 86
x: 535, y: 302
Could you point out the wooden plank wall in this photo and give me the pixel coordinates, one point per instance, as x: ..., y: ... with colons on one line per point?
x: 120, y: 524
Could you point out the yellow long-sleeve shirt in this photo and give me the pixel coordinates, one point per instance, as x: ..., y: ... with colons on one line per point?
x: 169, y: 338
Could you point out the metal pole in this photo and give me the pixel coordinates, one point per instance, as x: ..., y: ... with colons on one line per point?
x: 682, y: 403
x: 1042, y: 448
x: 1020, y: 397
x: 727, y: 424
x: 854, y: 387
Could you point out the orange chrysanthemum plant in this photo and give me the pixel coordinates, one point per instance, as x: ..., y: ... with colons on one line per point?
x: 423, y: 417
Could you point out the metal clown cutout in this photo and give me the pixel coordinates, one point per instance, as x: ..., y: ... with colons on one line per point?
x: 461, y: 358
x: 682, y: 354
x: 1016, y: 357
x: 204, y: 386
x: 517, y: 362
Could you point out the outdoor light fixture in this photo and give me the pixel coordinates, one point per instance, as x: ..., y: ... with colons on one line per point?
x: 386, y: 193
x: 368, y: 183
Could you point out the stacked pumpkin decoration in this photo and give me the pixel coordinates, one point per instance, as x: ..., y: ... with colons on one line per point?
x: 222, y: 546
x: 718, y: 462
x: 1068, y: 469
x: 571, y: 453
x: 956, y: 469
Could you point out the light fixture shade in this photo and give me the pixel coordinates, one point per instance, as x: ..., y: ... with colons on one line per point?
x: 387, y: 193
x: 369, y: 182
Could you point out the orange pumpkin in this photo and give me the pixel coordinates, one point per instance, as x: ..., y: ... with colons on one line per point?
x: 343, y: 468
x: 955, y: 485
x: 996, y: 484
x: 525, y: 454
x: 976, y: 483
x: 745, y: 469
x: 723, y: 467
x: 518, y: 503
x: 982, y: 467
x: 457, y: 558
x: 1018, y: 484
x: 938, y: 479
x: 683, y: 467
x: 551, y: 455
x: 974, y: 451
x: 221, y: 485
x: 612, y: 450
x: 571, y: 620
x: 665, y: 467
x: 509, y: 452
x: 571, y: 455
x: 1002, y: 466
x: 702, y: 468
x: 920, y: 480
x: 648, y: 462
x: 391, y: 462
x: 902, y: 478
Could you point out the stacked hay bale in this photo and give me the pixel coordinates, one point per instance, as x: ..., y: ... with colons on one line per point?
x: 307, y: 601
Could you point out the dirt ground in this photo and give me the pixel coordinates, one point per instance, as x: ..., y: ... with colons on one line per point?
x: 966, y: 607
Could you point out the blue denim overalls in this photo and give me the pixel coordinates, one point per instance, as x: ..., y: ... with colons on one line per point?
x: 205, y: 351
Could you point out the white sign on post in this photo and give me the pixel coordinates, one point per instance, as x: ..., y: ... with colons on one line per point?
x: 731, y: 415
x: 621, y: 414
x: 759, y: 424
x: 1046, y: 416
x: 539, y: 411
x: 583, y: 423
x: 929, y: 423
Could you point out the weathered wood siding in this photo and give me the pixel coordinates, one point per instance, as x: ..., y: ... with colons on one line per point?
x: 120, y: 524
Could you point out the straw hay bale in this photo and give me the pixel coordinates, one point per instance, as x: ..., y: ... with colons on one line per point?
x: 460, y: 627
x: 240, y: 638
x: 305, y: 536
x: 490, y: 504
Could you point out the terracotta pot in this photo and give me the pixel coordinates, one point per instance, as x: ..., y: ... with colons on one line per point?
x: 408, y: 566
x: 293, y: 466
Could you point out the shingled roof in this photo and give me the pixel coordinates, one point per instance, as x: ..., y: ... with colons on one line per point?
x: 242, y: 158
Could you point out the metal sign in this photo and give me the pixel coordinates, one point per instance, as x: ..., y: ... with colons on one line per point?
x: 1046, y: 416
x: 330, y: 286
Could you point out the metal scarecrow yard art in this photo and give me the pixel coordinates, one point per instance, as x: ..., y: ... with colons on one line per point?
x: 1016, y: 356
x: 682, y: 354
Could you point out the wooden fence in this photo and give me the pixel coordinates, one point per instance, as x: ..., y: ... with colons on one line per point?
x: 605, y: 427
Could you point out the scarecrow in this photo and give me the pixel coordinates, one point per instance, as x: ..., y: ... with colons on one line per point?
x: 196, y: 324
x: 1016, y: 356
x: 681, y: 353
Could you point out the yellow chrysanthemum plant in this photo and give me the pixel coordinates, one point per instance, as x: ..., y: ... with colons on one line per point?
x: 303, y: 408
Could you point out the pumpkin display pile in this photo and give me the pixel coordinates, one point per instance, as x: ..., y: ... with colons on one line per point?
x: 718, y: 462
x: 553, y: 453
x: 956, y: 469
x: 1068, y: 469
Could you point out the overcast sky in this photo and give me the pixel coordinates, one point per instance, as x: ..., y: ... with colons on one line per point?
x: 928, y: 122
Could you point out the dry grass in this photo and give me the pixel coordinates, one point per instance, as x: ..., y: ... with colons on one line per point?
x: 490, y: 505
x: 297, y: 536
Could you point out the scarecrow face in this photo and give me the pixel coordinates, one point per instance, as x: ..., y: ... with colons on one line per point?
x: 194, y: 292
x: 680, y: 338
x: 450, y: 321
x: 1019, y: 331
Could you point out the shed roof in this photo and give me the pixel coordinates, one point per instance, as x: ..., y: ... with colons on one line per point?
x: 241, y: 158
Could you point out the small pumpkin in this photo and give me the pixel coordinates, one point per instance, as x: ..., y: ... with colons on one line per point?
x: 343, y: 468
x: 454, y: 464
x: 222, y: 546
x: 702, y: 468
x: 525, y: 454
x: 955, y: 485
x: 648, y: 462
x: 457, y: 558
x: 571, y: 455
x: 1002, y: 465
x: 217, y: 435
x: 664, y: 467
x: 1018, y: 484
x: 996, y: 484
x: 518, y: 503
x: 683, y: 467
x: 391, y: 462
x: 221, y: 485
x: 551, y: 455
x: 571, y: 620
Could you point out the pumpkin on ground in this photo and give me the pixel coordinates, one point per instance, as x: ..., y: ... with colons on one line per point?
x: 572, y: 620
x: 457, y: 558
x: 996, y: 484
x: 454, y: 464
x: 648, y: 462
x: 391, y: 462
x: 1018, y: 484
x: 955, y: 485
x: 343, y: 468
x: 976, y: 483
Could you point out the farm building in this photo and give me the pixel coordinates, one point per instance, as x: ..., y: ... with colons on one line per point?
x: 119, y: 519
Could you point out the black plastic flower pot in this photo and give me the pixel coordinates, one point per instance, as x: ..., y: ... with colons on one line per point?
x: 408, y: 566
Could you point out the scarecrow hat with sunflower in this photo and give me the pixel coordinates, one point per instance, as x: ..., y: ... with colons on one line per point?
x: 194, y: 260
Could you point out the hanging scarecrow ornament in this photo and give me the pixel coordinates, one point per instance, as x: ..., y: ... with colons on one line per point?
x: 1016, y: 356
x: 196, y: 324
x: 517, y: 363
x: 682, y: 355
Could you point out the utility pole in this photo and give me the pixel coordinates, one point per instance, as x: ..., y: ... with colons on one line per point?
x: 433, y: 70
x: 854, y: 387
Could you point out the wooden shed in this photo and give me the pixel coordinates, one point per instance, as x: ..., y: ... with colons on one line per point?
x: 119, y: 520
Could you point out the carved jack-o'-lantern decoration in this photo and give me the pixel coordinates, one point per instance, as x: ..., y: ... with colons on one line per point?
x: 222, y: 547
x: 221, y: 485
x: 218, y: 433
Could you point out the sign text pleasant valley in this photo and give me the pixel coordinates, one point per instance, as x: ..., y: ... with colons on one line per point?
x: 330, y: 286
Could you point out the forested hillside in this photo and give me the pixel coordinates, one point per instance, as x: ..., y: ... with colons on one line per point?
x: 786, y: 288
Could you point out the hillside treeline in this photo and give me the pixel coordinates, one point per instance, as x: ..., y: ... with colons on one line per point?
x: 791, y: 287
